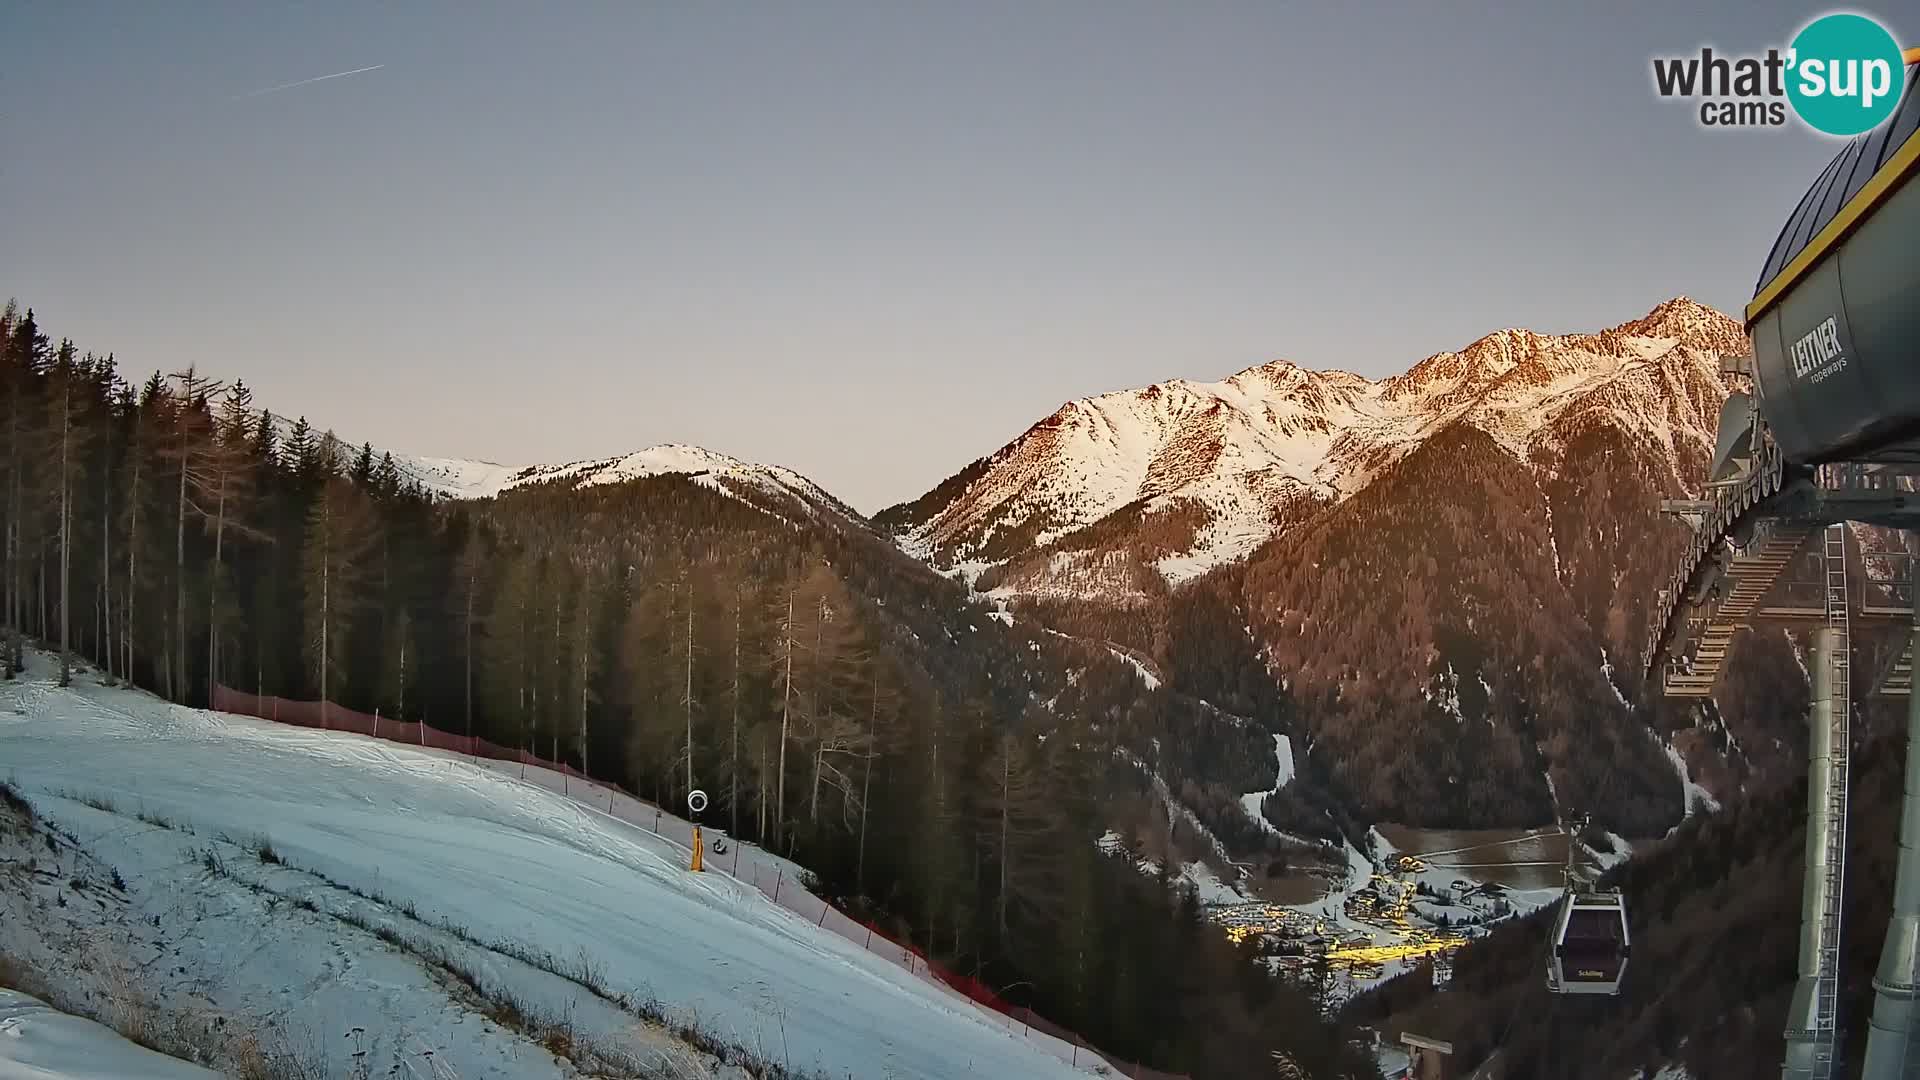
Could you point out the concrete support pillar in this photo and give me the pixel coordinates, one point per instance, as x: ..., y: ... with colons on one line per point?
x: 1803, y: 1013
x: 1896, y: 999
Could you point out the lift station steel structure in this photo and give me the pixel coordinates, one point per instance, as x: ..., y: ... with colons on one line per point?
x: 1808, y: 518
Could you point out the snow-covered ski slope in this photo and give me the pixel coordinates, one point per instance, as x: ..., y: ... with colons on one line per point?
x: 39, y: 1042
x: 507, y: 861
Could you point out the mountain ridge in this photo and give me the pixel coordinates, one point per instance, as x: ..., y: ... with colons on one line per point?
x: 1211, y: 471
x: 768, y: 487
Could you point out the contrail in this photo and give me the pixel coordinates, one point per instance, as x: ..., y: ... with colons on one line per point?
x: 303, y: 82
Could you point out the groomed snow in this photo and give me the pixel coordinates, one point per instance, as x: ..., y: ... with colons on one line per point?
x: 1146, y: 677
x: 39, y: 1042
x: 1696, y: 797
x: 1250, y: 802
x: 504, y: 861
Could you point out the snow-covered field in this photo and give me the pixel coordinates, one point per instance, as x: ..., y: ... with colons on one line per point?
x: 39, y: 1042
x: 451, y: 857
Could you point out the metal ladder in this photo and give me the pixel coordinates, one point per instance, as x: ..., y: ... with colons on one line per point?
x: 1827, y: 1055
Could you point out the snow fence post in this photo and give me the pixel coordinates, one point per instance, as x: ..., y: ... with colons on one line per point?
x: 376, y: 723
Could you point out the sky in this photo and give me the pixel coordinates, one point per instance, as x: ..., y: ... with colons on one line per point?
x: 869, y: 241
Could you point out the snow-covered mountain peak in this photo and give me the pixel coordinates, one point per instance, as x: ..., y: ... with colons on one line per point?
x: 1194, y: 474
x: 465, y: 478
x: 722, y: 472
x: 1691, y: 323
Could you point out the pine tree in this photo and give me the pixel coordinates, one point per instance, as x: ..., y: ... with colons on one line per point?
x: 510, y: 643
x: 584, y: 656
x: 1016, y: 809
x: 733, y: 726
x: 339, y: 536
x: 66, y: 437
x: 879, y: 697
x: 653, y: 642
x: 276, y: 563
x: 26, y: 356
x: 467, y: 581
x: 386, y: 477
x: 303, y: 456
x: 687, y: 651
x: 150, y: 419
x: 226, y: 487
x: 786, y: 652
x: 835, y: 728
x: 398, y: 653
x: 189, y: 449
x: 117, y: 405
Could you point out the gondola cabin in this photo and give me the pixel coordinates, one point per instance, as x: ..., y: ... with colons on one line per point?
x: 1590, y: 945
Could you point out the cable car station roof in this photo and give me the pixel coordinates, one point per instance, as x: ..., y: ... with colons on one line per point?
x: 1853, y: 184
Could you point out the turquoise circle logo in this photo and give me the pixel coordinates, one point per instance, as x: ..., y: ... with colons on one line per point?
x: 1845, y: 74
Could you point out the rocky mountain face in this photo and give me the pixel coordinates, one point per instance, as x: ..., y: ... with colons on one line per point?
x: 1177, y: 478
x: 1448, y: 570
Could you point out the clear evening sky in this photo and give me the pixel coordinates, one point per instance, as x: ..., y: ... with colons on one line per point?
x: 869, y: 241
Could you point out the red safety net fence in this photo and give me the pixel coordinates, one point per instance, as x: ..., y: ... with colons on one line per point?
x: 779, y: 880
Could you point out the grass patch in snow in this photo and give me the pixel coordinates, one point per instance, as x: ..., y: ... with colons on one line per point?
x: 125, y: 1004
x: 11, y: 798
x: 161, y: 821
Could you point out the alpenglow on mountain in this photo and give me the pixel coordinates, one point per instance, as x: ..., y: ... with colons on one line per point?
x: 772, y: 488
x: 1120, y: 495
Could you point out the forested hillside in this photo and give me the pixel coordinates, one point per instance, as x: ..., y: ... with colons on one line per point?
x: 1715, y: 914
x: 944, y: 769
